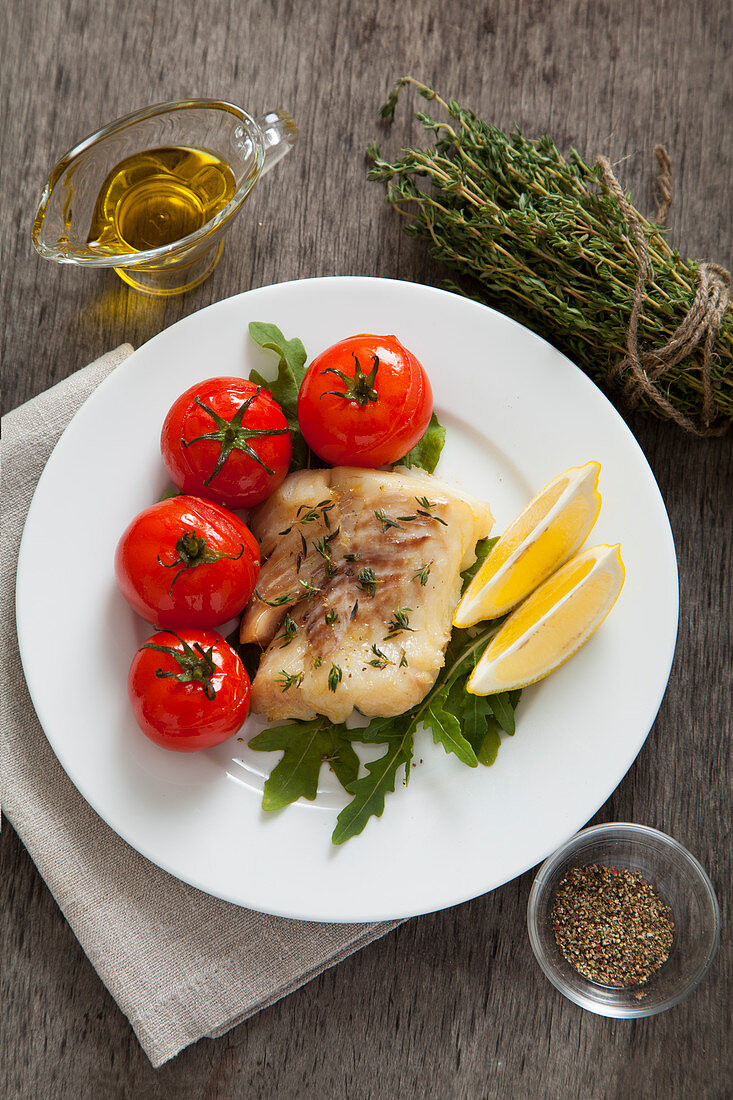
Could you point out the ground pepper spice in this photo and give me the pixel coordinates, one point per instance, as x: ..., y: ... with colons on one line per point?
x: 611, y: 925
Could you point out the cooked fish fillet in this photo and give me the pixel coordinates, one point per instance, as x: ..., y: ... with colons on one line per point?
x: 340, y: 608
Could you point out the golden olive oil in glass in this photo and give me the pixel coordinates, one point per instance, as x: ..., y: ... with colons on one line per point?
x: 154, y: 198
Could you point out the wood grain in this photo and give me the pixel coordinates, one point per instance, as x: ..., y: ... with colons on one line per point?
x: 452, y: 1004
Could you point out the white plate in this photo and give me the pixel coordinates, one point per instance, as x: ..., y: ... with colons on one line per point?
x: 517, y: 413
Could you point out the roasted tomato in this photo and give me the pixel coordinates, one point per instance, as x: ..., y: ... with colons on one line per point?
x: 188, y: 691
x: 366, y: 401
x: 187, y: 562
x: 227, y: 440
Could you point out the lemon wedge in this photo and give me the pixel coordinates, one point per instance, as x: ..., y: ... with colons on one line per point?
x: 552, y: 623
x: 552, y: 528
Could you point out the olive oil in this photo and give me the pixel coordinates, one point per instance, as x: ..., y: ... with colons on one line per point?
x: 156, y: 197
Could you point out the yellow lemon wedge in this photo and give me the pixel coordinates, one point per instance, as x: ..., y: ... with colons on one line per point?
x: 552, y: 623
x: 552, y: 528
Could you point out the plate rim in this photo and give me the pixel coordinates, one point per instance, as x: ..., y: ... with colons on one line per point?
x: 292, y: 912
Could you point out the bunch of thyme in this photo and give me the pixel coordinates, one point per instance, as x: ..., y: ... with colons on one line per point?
x: 536, y: 235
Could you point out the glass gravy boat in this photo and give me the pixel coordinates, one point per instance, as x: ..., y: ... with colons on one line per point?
x: 152, y: 194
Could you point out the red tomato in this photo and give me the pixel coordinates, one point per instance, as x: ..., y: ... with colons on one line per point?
x: 366, y: 401
x: 188, y: 691
x: 187, y: 562
x: 227, y: 440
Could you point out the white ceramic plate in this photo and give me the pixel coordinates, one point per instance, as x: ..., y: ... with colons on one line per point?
x: 517, y: 414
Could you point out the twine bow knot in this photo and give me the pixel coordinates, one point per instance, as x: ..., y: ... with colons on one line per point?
x: 645, y: 369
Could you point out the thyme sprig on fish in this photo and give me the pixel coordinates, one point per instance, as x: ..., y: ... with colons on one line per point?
x: 277, y: 601
x: 331, y: 616
x: 290, y: 629
x: 380, y: 659
x: 310, y: 513
x: 288, y: 680
x: 368, y: 580
x: 385, y: 520
x: 321, y: 546
x: 422, y: 574
x: 335, y: 676
x: 400, y: 621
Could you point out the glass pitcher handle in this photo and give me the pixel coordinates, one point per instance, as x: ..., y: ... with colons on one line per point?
x: 279, y: 134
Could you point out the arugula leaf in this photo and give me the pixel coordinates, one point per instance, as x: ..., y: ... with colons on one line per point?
x: 285, y: 388
x: 426, y: 451
x: 341, y: 757
x: 447, y: 729
x: 473, y: 711
x: 490, y: 743
x: 369, y: 792
x: 306, y: 745
x: 503, y: 711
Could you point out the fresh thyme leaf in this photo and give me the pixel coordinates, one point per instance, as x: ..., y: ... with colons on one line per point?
x: 278, y: 601
x: 367, y: 581
x: 426, y: 451
x: 400, y: 621
x: 381, y: 660
x: 422, y: 574
x: 290, y: 629
x: 335, y: 676
x: 288, y: 680
x: 403, y: 659
x: 321, y: 546
x: 285, y: 387
x: 331, y: 616
x: 385, y: 520
x: 541, y: 236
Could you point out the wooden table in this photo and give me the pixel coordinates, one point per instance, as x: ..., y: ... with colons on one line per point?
x: 452, y: 1004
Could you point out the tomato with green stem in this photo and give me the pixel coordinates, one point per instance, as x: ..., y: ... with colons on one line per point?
x: 365, y: 401
x: 187, y: 562
x: 227, y: 440
x: 188, y: 690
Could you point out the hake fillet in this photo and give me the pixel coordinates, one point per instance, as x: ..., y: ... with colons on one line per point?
x: 342, y: 644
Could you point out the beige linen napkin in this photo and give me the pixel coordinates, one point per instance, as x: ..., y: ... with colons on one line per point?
x: 180, y: 964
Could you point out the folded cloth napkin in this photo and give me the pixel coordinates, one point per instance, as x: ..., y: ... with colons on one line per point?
x: 180, y: 964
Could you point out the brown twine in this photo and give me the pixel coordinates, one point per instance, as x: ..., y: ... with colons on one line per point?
x: 663, y: 185
x: 700, y: 323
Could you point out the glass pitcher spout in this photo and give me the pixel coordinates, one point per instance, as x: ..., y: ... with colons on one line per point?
x: 279, y: 134
x: 152, y: 194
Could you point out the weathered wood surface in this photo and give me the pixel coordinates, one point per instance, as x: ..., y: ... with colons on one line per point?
x: 451, y: 1005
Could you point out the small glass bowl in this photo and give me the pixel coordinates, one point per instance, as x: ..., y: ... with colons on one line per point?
x: 679, y: 880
